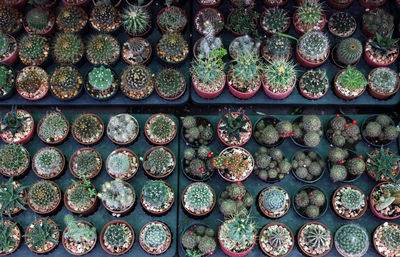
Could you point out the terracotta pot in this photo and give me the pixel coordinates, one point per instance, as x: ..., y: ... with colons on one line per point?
x: 74, y: 172
x: 370, y: 5
x: 12, y: 60
x: 373, y: 175
x: 268, y: 32
x: 25, y: 139
x: 242, y: 178
x: 173, y: 98
x: 240, y: 144
x: 18, y: 210
x: 374, y: 238
x: 126, y: 211
x: 146, y: 6
x: 372, y: 207
x: 91, y: 209
x: 146, y: 133
x: 341, y: 215
x: 272, y: 224
x: 64, y: 241
x: 306, y: 63
x: 61, y: 168
x: 164, y: 211
x: 339, y: 6
x: 310, y: 97
x: 97, y: 139
x: 277, y: 96
x: 162, y: 29
x: 17, y: 244
x: 207, y: 95
x: 16, y: 4
x: 236, y: 34
x: 50, y: 249
x: 55, y: 208
x: 43, y: 93
x: 300, y: 31
x: 193, y: 213
x: 307, y: 253
x: 268, y: 4
x: 59, y: 141
x: 379, y: 95
x: 148, y: 173
x: 82, y: 3
x: 372, y: 63
x: 104, y: 230
x: 118, y: 151
x: 143, y: 245
x: 241, y: 95
x: 264, y: 211
x: 337, y: 91
x: 47, y: 32
x: 129, y: 141
x: 214, y: 5
x: 235, y: 254
x: 237, y: 6
x: 217, y: 31
x: 146, y: 61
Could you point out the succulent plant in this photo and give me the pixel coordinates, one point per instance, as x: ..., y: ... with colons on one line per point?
x: 42, y: 232
x: 233, y: 125
x: 351, y: 240
x: 87, y: 128
x: 235, y: 199
x: 209, y: 44
x: 343, y: 132
x: 81, y: 196
x: 170, y: 83
x: 316, y: 238
x: 384, y: 45
x: 172, y: 19
x: 9, y: 236
x: 352, y: 199
x: 390, y: 237
x: 122, y: 128
x: 243, y: 20
x: 197, y: 133
x: 32, y: 82
x: 275, y: 20
x: 206, y: 243
x: 12, y: 122
x: 66, y: 82
x: 10, y: 19
x: 48, y: 161
x: 386, y: 198
x: 344, y: 165
x: 68, y: 48
x: 71, y: 19
x: 137, y: 81
x: 198, y: 198
x: 101, y: 78
x: 136, y: 50
x: 309, y: 13
x: 136, y: 20
x: 348, y: 51
x: 102, y: 49
x: 378, y: 20
x: 12, y: 196
x: 120, y: 163
x: 117, y: 235
x: 245, y: 72
x: 79, y: 232
x: 33, y: 49
x: 277, y: 239
x: 117, y: 195
x: 384, y: 80
x: 86, y: 162
x: 159, y: 162
x: 308, y: 165
x: 383, y: 163
x: 7, y: 46
x: 172, y: 48
x: 158, y: 195
x: 155, y: 235
x: 197, y: 162
x: 105, y: 17
x: 351, y: 79
x: 237, y: 233
x: 53, y: 127
x: 38, y: 19
x: 314, y: 82
x: 276, y: 47
x: 314, y: 46
x: 342, y: 24
x: 208, y: 73
x: 43, y: 195
x: 7, y: 79
x: 308, y: 131
x: 310, y: 202
x: 279, y: 75
x: 270, y: 133
x: 270, y: 164
x: 161, y: 128
x: 244, y: 46
x: 14, y: 158
x: 274, y: 200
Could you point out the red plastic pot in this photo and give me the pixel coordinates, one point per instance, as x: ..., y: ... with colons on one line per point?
x: 43, y: 94
x: 299, y: 31
x: 372, y: 63
x: 216, y: 4
x: 239, y: 94
x: 370, y: 4
x: 277, y: 96
x: 207, y: 95
x: 28, y: 137
x: 83, y: 3
x: 305, y: 63
x: 234, y: 254
x: 18, y: 5
x: 379, y: 95
x: 163, y: 30
x: 309, y: 97
x: 339, y: 6
x: 12, y: 60
x: 374, y: 211
x: 268, y: 4
x: 52, y: 20
x: 243, y: 143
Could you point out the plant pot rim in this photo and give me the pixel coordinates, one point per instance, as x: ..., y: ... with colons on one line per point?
x: 210, y: 8
x: 165, y: 9
x: 371, y: 205
x: 168, y: 231
x: 95, y: 173
x: 262, y: 17
x: 374, y: 63
x: 265, y: 211
x: 13, y: 54
x: 146, y: 6
x: 126, y: 210
x: 375, y: 93
x: 24, y: 170
x: 58, y: 204
x: 52, y: 21
x: 370, y: 174
x: 197, y: 117
x: 243, y: 95
x: 138, y: 37
x: 43, y: 93
x: 103, y: 230
x: 314, y: 223
x: 355, y: 188
x: 193, y: 213
x: 169, y: 172
x: 308, y: 181
x: 211, y: 94
x: 96, y: 139
x: 350, y: 32
x: 58, y: 233
x: 146, y: 126
x: 164, y: 210
x: 374, y: 239
x: 268, y: 117
x: 61, y: 166
x: 156, y: 86
x: 250, y: 130
x: 237, y: 6
x: 83, y: 212
x: 131, y: 140
x: 324, y: 207
x: 59, y: 140
x: 364, y: 124
x: 248, y: 154
x: 64, y: 240
x: 339, y: 93
x: 130, y: 152
x: 276, y: 224
x: 266, y: 85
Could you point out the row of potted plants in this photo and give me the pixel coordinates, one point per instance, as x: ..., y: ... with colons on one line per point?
x: 79, y: 237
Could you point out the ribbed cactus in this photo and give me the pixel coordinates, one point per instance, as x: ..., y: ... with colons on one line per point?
x: 137, y: 81
x: 37, y: 19
x: 156, y: 193
x: 352, y: 199
x: 391, y: 237
x: 314, y: 45
x: 136, y: 20
x: 47, y: 161
x: 105, y: 17
x: 172, y: 19
x: 43, y: 194
x: 172, y: 47
x: 198, y: 198
x: 102, y: 49
x: 78, y: 232
x: 278, y: 237
x: 274, y: 200
x: 348, y: 51
x: 159, y: 161
x: 101, y: 78
x: 66, y: 81
x: 275, y: 20
x: 342, y: 23
x: 79, y: 197
x: 378, y: 21
x: 71, y: 19
x: 87, y: 128
x: 276, y: 47
x: 155, y: 235
x: 351, y: 240
x: 33, y: 49
x: 68, y: 48
x: 238, y: 233
x: 119, y: 163
x: 384, y: 80
x: 10, y: 19
x: 116, y: 235
x: 316, y: 238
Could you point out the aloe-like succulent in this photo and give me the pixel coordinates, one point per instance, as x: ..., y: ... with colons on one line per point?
x: 42, y: 232
x: 12, y: 197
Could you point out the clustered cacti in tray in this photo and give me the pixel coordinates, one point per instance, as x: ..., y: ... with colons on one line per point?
x: 269, y: 131
x: 307, y: 130
x: 271, y: 164
x: 380, y: 130
x: 235, y: 199
x: 197, y: 130
x: 308, y: 166
x: 345, y: 165
x: 197, y: 163
x: 343, y: 132
x: 198, y: 240
x: 310, y: 202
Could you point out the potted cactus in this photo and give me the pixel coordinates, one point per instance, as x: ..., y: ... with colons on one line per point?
x: 53, y: 128
x: 12, y: 237
x: 12, y: 198
x: 85, y: 162
x: 42, y: 235
x: 79, y: 236
x: 39, y: 21
x: 155, y: 237
x: 384, y: 201
x: 307, y: 131
x: 33, y: 49
x: 136, y: 50
x: 105, y: 18
x: 172, y: 48
x: 66, y: 82
x: 160, y: 129
x: 10, y: 20
x: 75, y: 3
x: 383, y: 165
x: 19, y: 4
x: 122, y: 163
x: 235, y: 198
x: 340, y: 4
x: 171, y: 18
x: 342, y: 24
x: 242, y: 21
x: 308, y: 166
x: 381, y: 51
x: 274, y: 20
x: 344, y: 165
x: 48, y: 163
x: 274, y: 202
x: 377, y: 21
x: 314, y: 84
x: 349, y: 83
x: 351, y: 240
x: 347, y: 52
x: 101, y: 83
x: 44, y: 197
x: 342, y: 131
x: 206, y: 245
x: 137, y: 81
x: 71, y: 19
x: 81, y: 197
x: 275, y: 48
x: 198, y: 199
x: 275, y: 3
x: 379, y: 130
x: 102, y: 49
x: 8, y: 49
x: 209, y: 3
x: 123, y: 129
x: 197, y: 131
x: 68, y: 48
x: 117, y: 237
x: 237, y: 235
x: 234, y: 129
x: 383, y: 83
x: 170, y: 84
x: 234, y: 164
x: 17, y: 126
x: 271, y: 165
x: 314, y: 239
x: 309, y: 16
x: 312, y: 49
x: 157, y: 197
x: 196, y: 163
x: 310, y: 202
x: 118, y: 197
x: 244, y: 45
x: 14, y: 160
x: 87, y: 129
x: 349, y: 202
x: 270, y: 131
x: 385, y: 239
x: 276, y: 239
x: 136, y: 21
x: 32, y: 83
x: 7, y: 80
x: 206, y: 17
x: 279, y: 79
x: 210, y: 45
x: 159, y: 162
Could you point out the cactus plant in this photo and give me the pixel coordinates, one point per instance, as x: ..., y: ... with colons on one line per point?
x: 380, y: 129
x: 314, y: 83
x: 87, y: 128
x: 10, y: 19
x: 81, y: 196
x: 310, y: 202
x: 234, y: 164
x: 313, y: 46
x: 385, y: 200
x: 137, y: 81
x: 279, y: 76
x: 244, y: 46
x: 14, y: 123
x: 196, y: 164
x: 136, y: 20
x: 102, y: 49
x: 351, y: 240
x: 33, y: 49
x: 206, y: 244
x: 237, y: 234
x: 155, y: 237
x: 383, y: 165
x: 271, y: 164
x: 102, y: 82
x: 53, y: 127
x: 377, y: 20
x: 48, y: 162
x: 122, y: 164
x: 85, y: 161
x: 208, y: 17
x: 172, y: 48
x: 32, y: 83
x: 315, y: 239
x: 39, y: 21
x: 157, y: 196
x: 8, y: 47
x: 160, y: 129
x: 309, y: 16
x: 275, y: 20
x: 342, y: 24
x: 345, y: 165
x: 307, y: 130
x: 118, y: 237
x: 7, y: 79
x: 170, y: 84
x: 274, y: 202
x: 209, y: 44
x: 159, y: 162
x: 79, y: 236
x: 275, y: 48
x: 42, y: 234
x: 198, y: 199
x: 122, y: 128
x: 276, y: 239
x: 350, y: 82
x: 245, y: 72
x: 136, y: 50
x: 14, y: 159
x: 71, y: 19
x: 383, y: 81
x: 197, y: 130
x: 348, y: 52
x: 308, y: 166
x: 171, y: 19
x: 343, y: 132
x: 44, y: 196
x: 270, y: 131
x: 235, y: 199
x: 386, y: 239
x: 243, y: 20
x: 117, y: 196
x: 68, y: 48
x: 349, y: 202
x: 66, y: 82
x: 12, y: 198
x: 105, y: 18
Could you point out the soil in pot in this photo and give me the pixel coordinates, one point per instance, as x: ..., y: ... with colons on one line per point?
x: 308, y: 166
x: 53, y: 128
x: 160, y: 129
x: 85, y: 162
x: 349, y: 202
x: 385, y: 240
x: 198, y: 199
x: 122, y: 163
x: 48, y: 163
x: 273, y: 202
x: 157, y: 197
x: 159, y: 169
x: 32, y: 83
x: 310, y: 202
x: 44, y: 197
x: 384, y: 201
x: 79, y: 237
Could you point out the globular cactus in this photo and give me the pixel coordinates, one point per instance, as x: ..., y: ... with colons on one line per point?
x: 105, y: 17
x: 342, y: 23
x: 159, y: 161
x: 38, y: 19
x: 43, y: 194
x: 172, y: 19
x: 189, y: 122
x: 68, y: 48
x: 116, y: 235
x: 48, y: 161
x: 316, y: 237
x: 117, y: 195
x: 352, y: 199
x: 308, y: 166
x: 378, y: 21
x: 277, y: 47
x: 309, y: 12
x: 338, y: 173
x: 301, y: 199
x: 235, y: 199
x: 210, y: 43
x: 271, y: 164
x: 33, y: 49
x: 317, y: 198
x: 199, y: 239
x: 348, y: 51
x: 314, y: 46
x: 102, y: 49
x: 351, y: 240
x: 172, y: 47
x: 244, y: 45
x: 355, y: 166
x: 391, y: 237
x: 79, y: 233
x: 155, y: 235
x: 198, y: 198
x: 381, y: 129
x: 237, y: 233
x: 274, y: 200
x: 71, y: 19
x: 136, y: 20
x: 279, y: 237
x: 137, y: 81
x: 275, y: 20
x: 156, y: 193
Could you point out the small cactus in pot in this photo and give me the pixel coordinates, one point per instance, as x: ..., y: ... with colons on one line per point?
x: 159, y: 162
x: 243, y: 21
x: 310, y: 202
x: 14, y: 159
x: 308, y: 166
x: 385, y: 200
x: 383, y: 82
x: 10, y: 20
x: 206, y: 17
x: 39, y: 21
x: 71, y: 19
x: 123, y: 129
x: 118, y: 197
x: 33, y: 49
x: 66, y: 82
x: 102, y: 49
x: 351, y: 240
x: 170, y: 84
x: 234, y: 129
x: 105, y: 18
x: 87, y: 129
x: 136, y: 51
x: 79, y: 237
x: 383, y: 165
x: 157, y: 197
x: 386, y: 239
x: 197, y: 131
x: 155, y: 237
x: 198, y: 199
x: 270, y: 131
x: 137, y: 81
x: 206, y: 244
x: 53, y: 128
x: 307, y: 131
x: 377, y: 21
x: 275, y: 20
x: 48, y: 163
x: 314, y: 84
x: 244, y: 45
x: 68, y: 48
x: 279, y: 78
x: 12, y: 198
x: 349, y: 202
x: 309, y: 16
x: 275, y: 48
x: 122, y: 163
x: 345, y: 165
x: 160, y: 129
x: 32, y: 83
x: 197, y: 163
x: 44, y: 197
x: 7, y: 80
x: 342, y: 24
x: 347, y: 52
x: 379, y: 130
x: 274, y: 202
x: 136, y: 21
x: 312, y: 49
x: 101, y: 83
x: 117, y: 237
x: 235, y: 198
x: 171, y: 19
x: 276, y: 239
x: 315, y: 239
x: 8, y: 49
x: 85, y: 162
x: 271, y: 165
x: 172, y: 48
x: 343, y: 132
